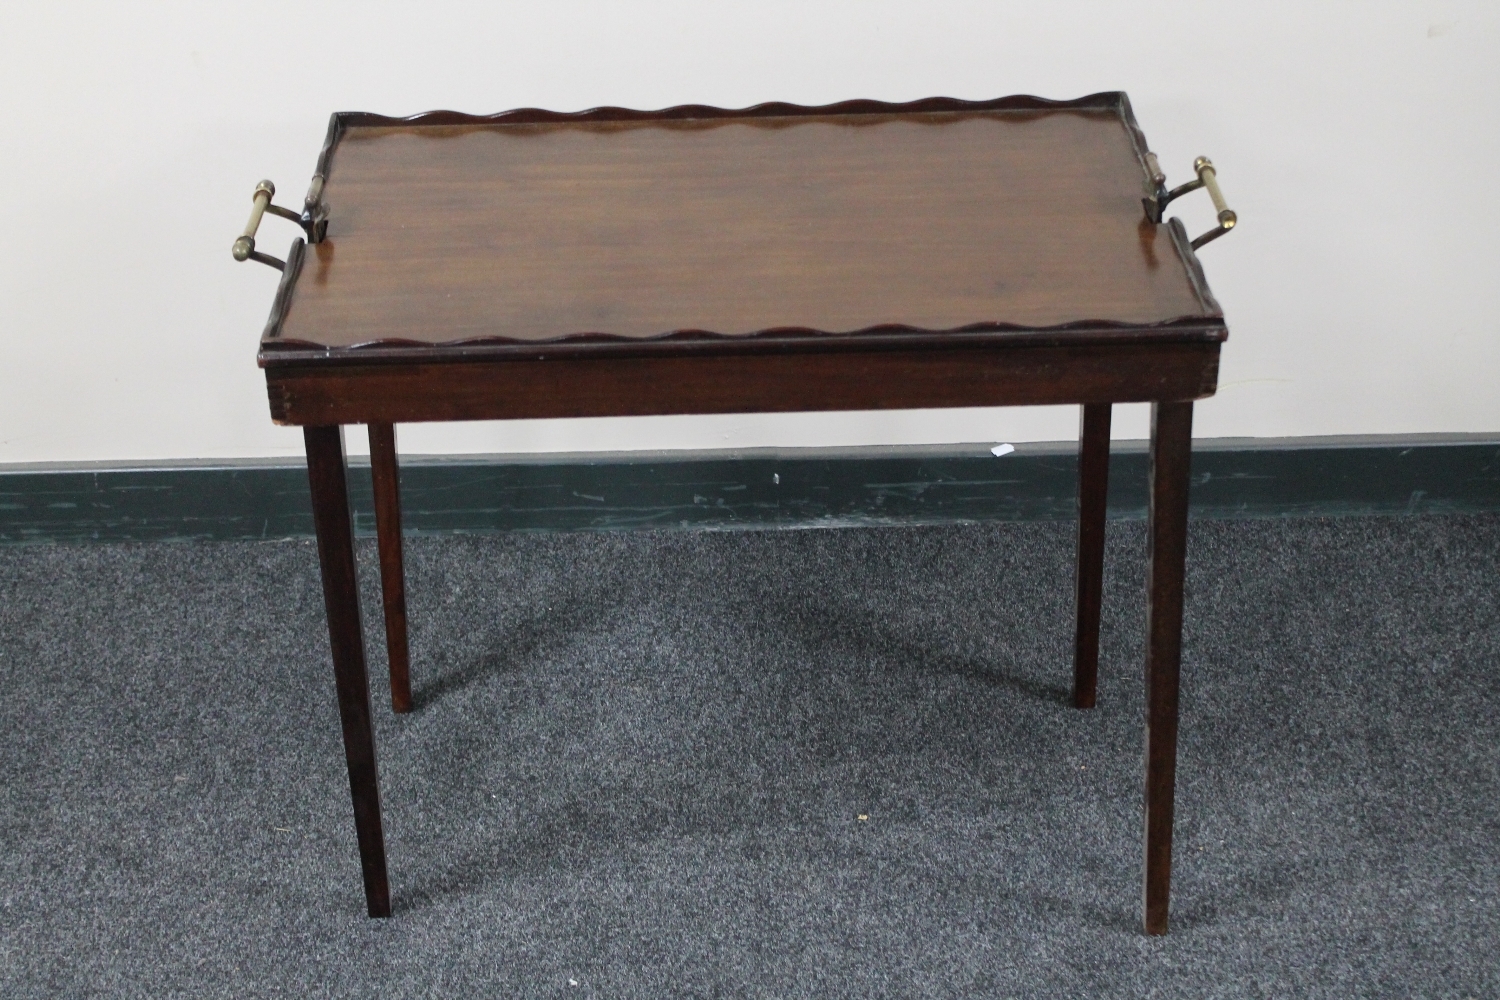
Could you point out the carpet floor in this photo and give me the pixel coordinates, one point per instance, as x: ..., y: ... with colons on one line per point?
x: 832, y: 763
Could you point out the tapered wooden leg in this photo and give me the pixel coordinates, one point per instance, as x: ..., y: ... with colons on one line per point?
x: 1171, y: 456
x: 1093, y: 490
x: 330, y: 501
x: 385, y: 474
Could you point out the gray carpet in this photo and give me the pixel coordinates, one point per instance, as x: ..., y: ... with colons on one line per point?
x: 831, y: 763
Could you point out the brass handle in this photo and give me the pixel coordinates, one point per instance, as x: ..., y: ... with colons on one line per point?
x: 1154, y: 171
x: 1209, y: 178
x: 313, y: 220
x: 1158, y: 197
x: 245, y: 245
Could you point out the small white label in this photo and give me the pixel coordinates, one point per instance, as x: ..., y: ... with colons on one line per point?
x: 1002, y: 449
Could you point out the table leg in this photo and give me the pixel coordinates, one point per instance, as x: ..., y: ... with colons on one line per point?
x: 326, y: 474
x: 1093, y: 489
x: 384, y: 473
x: 1171, y: 457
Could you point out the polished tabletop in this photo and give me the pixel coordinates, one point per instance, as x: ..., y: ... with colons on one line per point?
x: 486, y: 231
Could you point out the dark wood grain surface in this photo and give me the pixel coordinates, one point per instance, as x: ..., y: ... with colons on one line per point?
x: 770, y: 382
x: 328, y: 478
x: 385, y: 476
x: 1088, y: 580
x: 1166, y: 559
x: 835, y: 223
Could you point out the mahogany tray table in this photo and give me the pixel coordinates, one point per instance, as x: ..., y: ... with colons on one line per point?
x: 779, y: 258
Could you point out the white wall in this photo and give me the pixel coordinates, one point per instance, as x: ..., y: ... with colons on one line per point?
x: 1357, y: 140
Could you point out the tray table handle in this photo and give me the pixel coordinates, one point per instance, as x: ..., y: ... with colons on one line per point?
x: 1208, y: 177
x: 313, y: 220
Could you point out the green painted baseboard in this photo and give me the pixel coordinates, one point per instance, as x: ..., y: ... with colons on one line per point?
x: 791, y: 488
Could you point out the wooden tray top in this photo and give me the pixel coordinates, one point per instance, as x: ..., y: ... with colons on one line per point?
x: 463, y: 236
